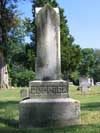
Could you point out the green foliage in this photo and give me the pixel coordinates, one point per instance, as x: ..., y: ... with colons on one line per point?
x: 90, y: 64
x: 70, y: 57
x: 8, y: 20
x: 21, y: 76
x: 21, y: 56
x: 87, y: 62
x: 96, y: 68
x: 30, y: 57
x: 75, y: 77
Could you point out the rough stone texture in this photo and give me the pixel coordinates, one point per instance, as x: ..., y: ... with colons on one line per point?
x: 49, y: 105
x: 48, y: 63
x: 49, y: 113
x: 48, y: 89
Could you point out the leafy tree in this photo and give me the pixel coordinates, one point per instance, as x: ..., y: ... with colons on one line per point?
x: 96, y: 72
x: 7, y: 21
x: 30, y: 57
x: 16, y: 42
x: 70, y: 59
x: 20, y: 56
x: 86, y: 65
x: 74, y: 77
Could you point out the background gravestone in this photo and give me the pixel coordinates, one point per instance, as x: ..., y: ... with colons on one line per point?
x: 49, y: 104
x: 85, y: 83
x: 23, y: 93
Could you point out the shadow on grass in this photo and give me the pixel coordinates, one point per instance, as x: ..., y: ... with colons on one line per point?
x: 9, y: 122
x: 12, y: 123
x: 68, y: 129
x: 94, y: 106
x: 7, y: 116
x: 8, y: 103
x: 94, y: 128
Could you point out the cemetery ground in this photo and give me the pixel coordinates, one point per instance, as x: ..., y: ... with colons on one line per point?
x: 90, y: 112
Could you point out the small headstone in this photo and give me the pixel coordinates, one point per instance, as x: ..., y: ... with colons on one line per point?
x: 23, y: 93
x: 84, y: 85
x: 91, y: 82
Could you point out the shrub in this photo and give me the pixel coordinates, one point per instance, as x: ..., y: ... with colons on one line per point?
x: 21, y: 77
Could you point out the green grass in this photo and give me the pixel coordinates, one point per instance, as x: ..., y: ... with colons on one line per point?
x: 90, y: 105
x: 90, y: 113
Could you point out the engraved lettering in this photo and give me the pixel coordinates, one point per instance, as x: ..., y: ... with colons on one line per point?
x: 47, y: 90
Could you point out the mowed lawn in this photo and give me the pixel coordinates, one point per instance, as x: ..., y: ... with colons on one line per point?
x: 90, y: 112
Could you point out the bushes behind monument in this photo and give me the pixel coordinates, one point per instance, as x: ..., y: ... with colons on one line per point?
x: 22, y: 77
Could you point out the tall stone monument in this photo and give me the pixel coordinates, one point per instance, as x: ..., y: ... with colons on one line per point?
x: 49, y: 104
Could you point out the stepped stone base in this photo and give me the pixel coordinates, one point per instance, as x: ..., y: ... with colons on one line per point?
x: 49, y: 112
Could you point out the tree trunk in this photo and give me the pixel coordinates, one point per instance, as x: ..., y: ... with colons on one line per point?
x: 4, y: 82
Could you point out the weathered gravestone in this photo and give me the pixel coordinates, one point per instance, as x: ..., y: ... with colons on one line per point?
x: 49, y: 104
x: 91, y: 82
x: 23, y: 93
x: 84, y: 85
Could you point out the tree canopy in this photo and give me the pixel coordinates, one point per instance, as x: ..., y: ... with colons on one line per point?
x: 19, y: 56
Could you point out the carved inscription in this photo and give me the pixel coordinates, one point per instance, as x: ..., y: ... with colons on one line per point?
x: 47, y: 90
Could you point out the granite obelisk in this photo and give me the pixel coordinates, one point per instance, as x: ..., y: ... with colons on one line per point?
x: 49, y: 104
x: 48, y: 62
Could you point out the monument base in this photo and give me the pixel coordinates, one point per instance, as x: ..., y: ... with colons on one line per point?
x: 49, y: 89
x: 49, y: 112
